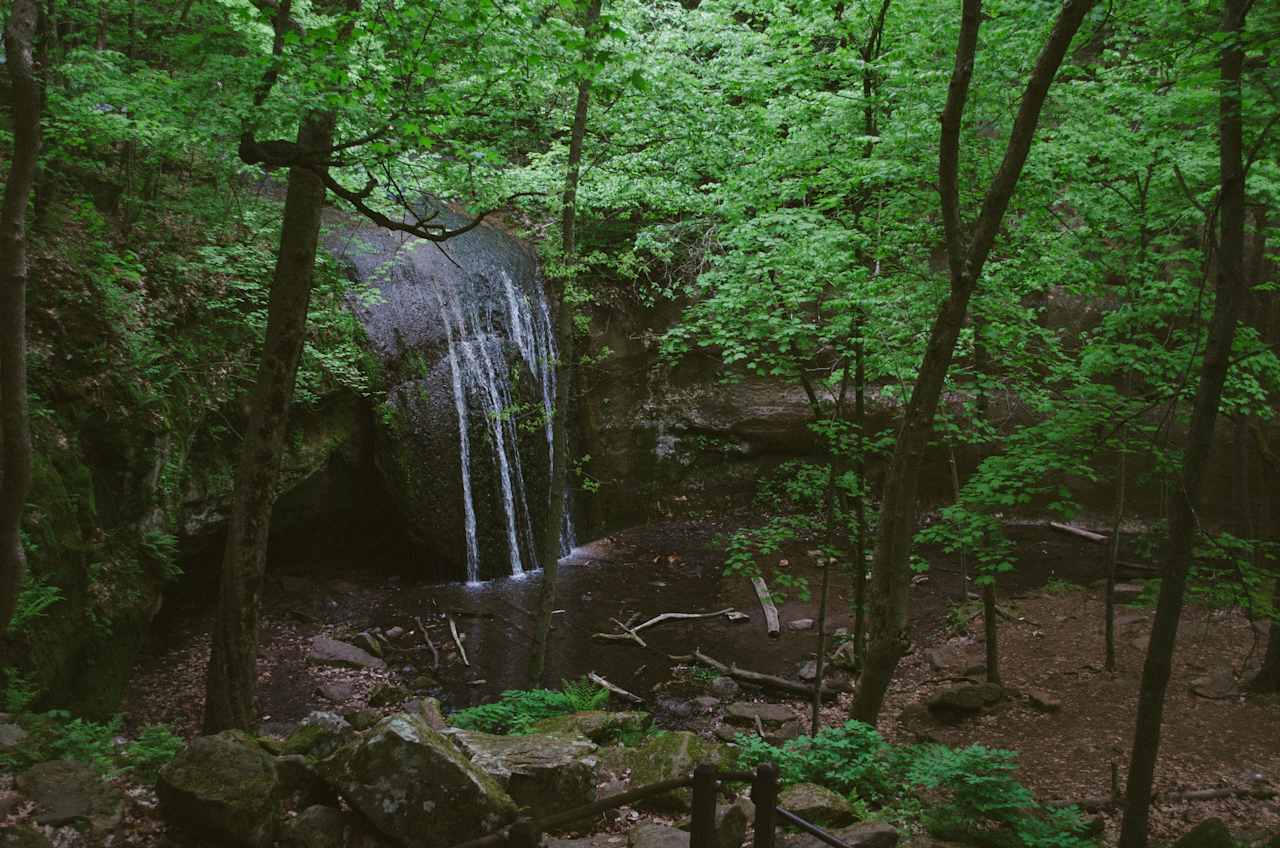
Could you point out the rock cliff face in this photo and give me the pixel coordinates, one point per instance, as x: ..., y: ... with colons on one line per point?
x: 464, y: 341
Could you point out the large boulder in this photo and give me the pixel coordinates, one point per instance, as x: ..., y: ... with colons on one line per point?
x: 331, y: 652
x: 416, y: 787
x: 668, y: 756
x: 319, y: 735
x: 817, y: 804
x: 546, y: 774
x: 746, y: 712
x: 599, y: 726
x: 224, y: 787
x: 960, y: 702
x: 326, y: 827
x: 71, y: 793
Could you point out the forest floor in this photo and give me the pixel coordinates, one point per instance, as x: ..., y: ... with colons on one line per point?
x: 1052, y: 644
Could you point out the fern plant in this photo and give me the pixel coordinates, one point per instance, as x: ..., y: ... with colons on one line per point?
x: 518, y: 710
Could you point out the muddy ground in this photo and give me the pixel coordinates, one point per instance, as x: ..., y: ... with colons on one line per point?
x: 1052, y: 642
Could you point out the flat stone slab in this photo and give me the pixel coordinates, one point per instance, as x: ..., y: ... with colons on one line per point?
x: 67, y: 792
x: 866, y: 835
x: 657, y: 836
x: 11, y: 736
x: 326, y: 651
x: 746, y: 713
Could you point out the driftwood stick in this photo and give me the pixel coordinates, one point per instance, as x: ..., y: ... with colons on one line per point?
x: 435, y: 654
x: 766, y: 603
x: 457, y: 640
x: 767, y: 681
x: 680, y: 616
x: 628, y: 634
x: 1099, y: 805
x: 1079, y: 532
x: 617, y: 690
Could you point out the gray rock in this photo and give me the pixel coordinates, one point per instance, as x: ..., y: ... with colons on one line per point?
x: 301, y: 783
x: 706, y: 703
x: 369, y: 643
x: 789, y: 730
x: 675, y: 708
x: 362, y: 720
x: 67, y: 792
x: 11, y: 736
x: 336, y: 691
x: 1045, y: 702
x: 428, y: 709
x: 1219, y: 685
x: 845, y: 657
x: 959, y: 702
x: 326, y: 651
x: 746, y: 712
x: 326, y: 827
x: 808, y: 671
x: 816, y: 804
x: 867, y: 835
x: 670, y: 755
x: 732, y: 821
x: 799, y: 625
x: 546, y: 774
x: 394, y: 633
x: 961, y: 662
x: 415, y: 786
x: 387, y: 695
x: 724, y: 688
x: 225, y: 787
x: 727, y: 732
x: 657, y: 836
x: 319, y: 735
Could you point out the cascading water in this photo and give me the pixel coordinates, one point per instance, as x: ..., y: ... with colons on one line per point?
x: 468, y: 345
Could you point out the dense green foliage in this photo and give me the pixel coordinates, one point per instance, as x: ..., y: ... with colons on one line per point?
x: 518, y: 710
x: 57, y: 735
x: 972, y: 792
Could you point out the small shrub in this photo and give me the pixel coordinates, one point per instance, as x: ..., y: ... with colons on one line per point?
x: 852, y: 759
x: 20, y: 690
x: 1058, y: 586
x: 518, y: 710
x: 155, y: 746
x: 34, y: 598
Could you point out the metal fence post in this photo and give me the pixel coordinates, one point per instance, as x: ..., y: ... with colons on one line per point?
x: 523, y: 834
x: 702, y: 830
x: 764, y: 794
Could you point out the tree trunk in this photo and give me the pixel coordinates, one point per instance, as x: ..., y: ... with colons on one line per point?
x: 1113, y: 555
x: 1184, y: 508
x: 891, y: 572
x: 860, y: 501
x: 229, y: 701
x: 15, y: 432
x: 559, y: 477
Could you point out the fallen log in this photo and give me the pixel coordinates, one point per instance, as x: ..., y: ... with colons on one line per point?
x: 766, y: 602
x: 435, y: 654
x: 767, y: 681
x: 1101, y: 805
x: 1079, y: 532
x: 617, y: 690
x: 457, y: 640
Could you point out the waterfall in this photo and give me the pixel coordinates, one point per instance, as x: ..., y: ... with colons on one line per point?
x: 464, y: 337
x: 477, y: 331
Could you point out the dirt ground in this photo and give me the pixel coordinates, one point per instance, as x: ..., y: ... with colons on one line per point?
x: 1054, y: 645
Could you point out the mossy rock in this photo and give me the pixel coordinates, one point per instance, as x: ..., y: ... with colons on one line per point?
x: 226, y: 787
x: 601, y: 727
x: 817, y: 804
x: 1210, y: 833
x: 669, y: 756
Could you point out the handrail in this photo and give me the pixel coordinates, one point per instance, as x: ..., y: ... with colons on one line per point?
x: 811, y: 828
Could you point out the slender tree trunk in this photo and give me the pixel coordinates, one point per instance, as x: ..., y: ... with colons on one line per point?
x: 860, y: 499
x: 1183, y: 515
x: 1113, y: 555
x: 232, y: 675
x: 15, y: 433
x: 891, y: 572
x: 564, y: 369
x: 963, y: 595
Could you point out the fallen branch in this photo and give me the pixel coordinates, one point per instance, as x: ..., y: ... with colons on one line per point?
x: 1100, y: 805
x: 770, y: 611
x: 435, y: 654
x: 617, y: 690
x: 767, y: 681
x: 1137, y: 566
x: 632, y: 634
x: 1079, y: 532
x: 457, y: 640
x: 1008, y: 616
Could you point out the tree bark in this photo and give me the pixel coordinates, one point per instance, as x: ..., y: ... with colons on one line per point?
x: 15, y: 431
x: 229, y: 702
x: 1230, y: 288
x: 891, y: 573
x: 559, y: 476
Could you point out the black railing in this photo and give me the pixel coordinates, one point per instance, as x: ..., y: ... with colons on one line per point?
x: 707, y: 782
